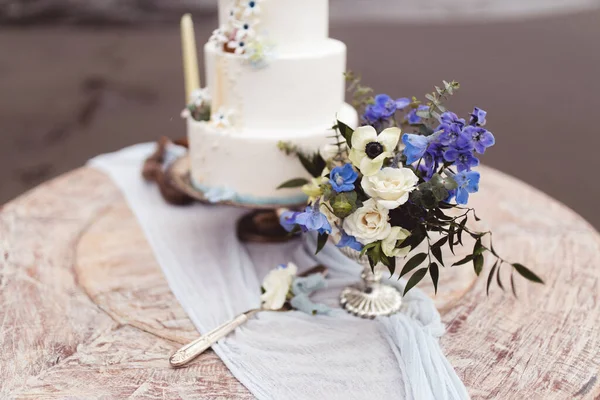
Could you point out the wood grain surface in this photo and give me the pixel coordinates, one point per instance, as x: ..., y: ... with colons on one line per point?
x: 86, y: 314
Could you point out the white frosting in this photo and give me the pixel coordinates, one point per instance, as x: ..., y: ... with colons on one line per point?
x: 284, y: 82
x: 290, y: 23
x: 297, y: 90
x: 251, y: 164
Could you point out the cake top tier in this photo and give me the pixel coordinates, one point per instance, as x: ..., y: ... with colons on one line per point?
x: 288, y: 24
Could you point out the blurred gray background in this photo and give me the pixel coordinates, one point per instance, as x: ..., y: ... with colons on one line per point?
x: 83, y: 77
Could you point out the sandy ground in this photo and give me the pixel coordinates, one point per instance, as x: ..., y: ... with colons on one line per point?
x: 67, y: 94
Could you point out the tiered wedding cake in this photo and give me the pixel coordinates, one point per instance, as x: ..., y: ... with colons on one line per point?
x: 273, y: 75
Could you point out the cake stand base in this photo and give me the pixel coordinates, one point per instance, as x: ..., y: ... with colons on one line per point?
x: 262, y: 226
x: 371, y: 300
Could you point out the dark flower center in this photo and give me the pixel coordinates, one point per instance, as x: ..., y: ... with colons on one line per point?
x: 373, y: 150
x: 246, y: 26
x: 252, y: 4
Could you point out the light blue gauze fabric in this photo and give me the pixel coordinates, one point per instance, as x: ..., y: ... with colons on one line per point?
x: 288, y: 355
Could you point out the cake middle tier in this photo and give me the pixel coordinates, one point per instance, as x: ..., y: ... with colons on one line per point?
x: 248, y: 168
x: 295, y: 90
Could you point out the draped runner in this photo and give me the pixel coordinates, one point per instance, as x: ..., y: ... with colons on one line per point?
x: 283, y: 355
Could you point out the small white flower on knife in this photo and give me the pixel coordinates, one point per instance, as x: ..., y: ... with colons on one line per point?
x: 276, y: 286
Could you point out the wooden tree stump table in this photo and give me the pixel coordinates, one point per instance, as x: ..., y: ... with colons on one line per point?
x: 86, y: 314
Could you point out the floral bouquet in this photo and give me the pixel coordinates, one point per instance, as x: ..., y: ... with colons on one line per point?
x: 380, y: 192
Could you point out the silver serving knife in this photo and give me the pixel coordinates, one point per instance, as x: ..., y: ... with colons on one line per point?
x: 192, y: 350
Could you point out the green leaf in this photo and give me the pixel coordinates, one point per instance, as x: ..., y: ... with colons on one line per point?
x: 490, y: 277
x: 446, y: 206
x: 374, y: 254
x: 293, y: 183
x: 437, y: 253
x: 451, y: 239
x: 416, y: 237
x: 461, y: 229
x: 498, y: 279
x: 434, y: 272
x: 389, y: 262
x: 314, y: 163
x: 367, y: 248
x: 346, y: 132
x: 413, y: 263
x: 373, y: 260
x: 492, y: 248
x: 478, y: 248
x: 512, y: 285
x: 440, y: 215
x: 526, y: 273
x: 465, y: 260
x: 478, y: 264
x: 441, y: 242
x: 321, y: 241
x: 415, y: 279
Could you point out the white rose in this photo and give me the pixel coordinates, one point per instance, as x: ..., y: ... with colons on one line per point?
x: 276, y: 285
x: 388, y: 245
x: 369, y: 223
x: 390, y: 187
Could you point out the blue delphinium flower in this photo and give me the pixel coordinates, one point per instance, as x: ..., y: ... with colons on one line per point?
x: 384, y: 108
x: 478, y: 117
x: 468, y: 182
x: 450, y: 127
x: 449, y: 133
x: 372, y: 114
x: 349, y: 241
x: 342, y: 178
x: 288, y: 220
x: 461, y: 154
x: 313, y: 220
x: 402, y: 103
x: 412, y: 116
x: 477, y: 137
x: 386, y: 104
x: 449, y: 118
x: 433, y: 157
x: 416, y: 146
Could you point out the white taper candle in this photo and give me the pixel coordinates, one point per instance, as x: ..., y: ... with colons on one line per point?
x: 190, y: 56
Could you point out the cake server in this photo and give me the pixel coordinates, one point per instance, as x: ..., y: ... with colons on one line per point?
x: 192, y: 350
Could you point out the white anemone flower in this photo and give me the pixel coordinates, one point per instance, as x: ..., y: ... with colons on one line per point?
x: 370, y: 150
x: 222, y: 119
x: 239, y: 45
x: 244, y: 29
x: 251, y: 8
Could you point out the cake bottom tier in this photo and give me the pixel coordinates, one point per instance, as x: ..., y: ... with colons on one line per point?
x: 247, y: 168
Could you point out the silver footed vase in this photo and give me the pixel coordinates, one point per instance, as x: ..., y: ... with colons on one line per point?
x: 371, y: 297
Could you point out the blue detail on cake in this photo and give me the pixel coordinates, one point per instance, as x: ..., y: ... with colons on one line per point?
x: 220, y: 194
